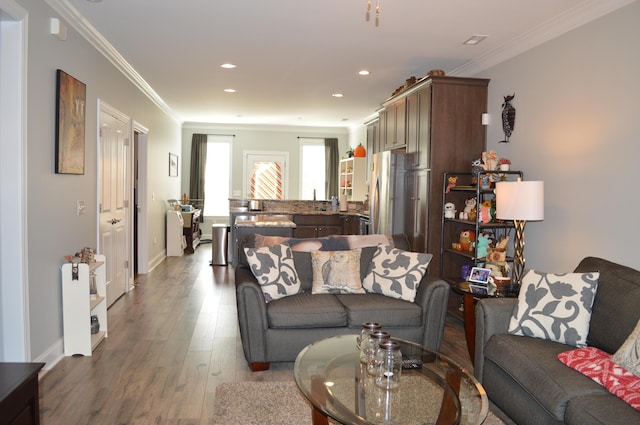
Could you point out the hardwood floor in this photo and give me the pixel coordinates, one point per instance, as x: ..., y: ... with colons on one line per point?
x: 171, y: 341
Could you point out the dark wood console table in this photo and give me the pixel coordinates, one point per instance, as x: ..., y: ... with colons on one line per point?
x: 19, y: 403
x: 191, y: 229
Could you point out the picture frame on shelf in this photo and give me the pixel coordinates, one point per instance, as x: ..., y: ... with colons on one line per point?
x: 173, y: 165
x: 480, y: 275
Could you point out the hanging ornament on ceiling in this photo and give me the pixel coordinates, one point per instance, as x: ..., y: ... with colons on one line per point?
x: 508, y: 117
x: 368, y: 14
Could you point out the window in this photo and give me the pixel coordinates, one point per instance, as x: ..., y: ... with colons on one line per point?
x: 312, y: 168
x: 217, y: 176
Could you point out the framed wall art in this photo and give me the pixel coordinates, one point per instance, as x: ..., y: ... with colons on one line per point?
x: 71, y: 96
x: 173, y: 165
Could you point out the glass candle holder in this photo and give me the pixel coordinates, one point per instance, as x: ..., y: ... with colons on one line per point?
x: 366, y: 347
x: 376, y: 338
x: 389, y: 365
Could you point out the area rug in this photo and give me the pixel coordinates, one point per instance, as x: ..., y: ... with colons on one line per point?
x: 262, y: 403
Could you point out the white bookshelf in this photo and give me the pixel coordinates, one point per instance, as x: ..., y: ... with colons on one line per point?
x: 353, y: 178
x: 78, y: 305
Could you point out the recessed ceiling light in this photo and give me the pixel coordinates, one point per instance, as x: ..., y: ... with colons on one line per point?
x: 473, y: 40
x: 94, y: 1
x: 230, y: 90
x: 337, y: 95
x: 364, y: 72
x: 227, y: 66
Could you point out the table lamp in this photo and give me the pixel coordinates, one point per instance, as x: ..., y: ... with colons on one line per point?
x: 520, y: 201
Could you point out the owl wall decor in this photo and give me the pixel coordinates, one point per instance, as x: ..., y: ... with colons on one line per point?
x: 508, y: 117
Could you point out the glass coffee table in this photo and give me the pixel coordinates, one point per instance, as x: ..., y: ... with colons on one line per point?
x: 433, y: 389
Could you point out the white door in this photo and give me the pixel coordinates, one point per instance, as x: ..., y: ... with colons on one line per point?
x: 113, y: 197
x: 265, y: 175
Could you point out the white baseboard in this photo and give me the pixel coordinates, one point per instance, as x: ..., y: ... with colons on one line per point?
x: 52, y: 355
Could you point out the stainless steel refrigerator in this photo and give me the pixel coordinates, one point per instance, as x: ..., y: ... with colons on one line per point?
x: 387, y: 193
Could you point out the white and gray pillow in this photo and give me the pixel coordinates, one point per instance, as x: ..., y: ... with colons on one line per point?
x: 275, y: 271
x: 396, y: 273
x: 555, y: 307
x: 628, y: 355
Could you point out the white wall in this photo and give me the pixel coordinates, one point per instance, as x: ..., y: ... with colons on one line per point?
x: 577, y: 128
x: 54, y: 229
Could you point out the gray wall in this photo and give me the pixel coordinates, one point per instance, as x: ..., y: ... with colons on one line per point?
x: 259, y: 138
x: 54, y: 229
x: 577, y: 128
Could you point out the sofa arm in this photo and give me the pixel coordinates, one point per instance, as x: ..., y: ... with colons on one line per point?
x: 252, y: 315
x: 492, y: 317
x: 433, y: 297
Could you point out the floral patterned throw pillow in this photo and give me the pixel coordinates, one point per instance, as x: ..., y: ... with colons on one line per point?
x: 396, y: 273
x: 275, y: 271
x: 555, y: 307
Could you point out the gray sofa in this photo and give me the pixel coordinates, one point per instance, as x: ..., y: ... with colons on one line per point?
x: 524, y: 378
x: 277, y: 331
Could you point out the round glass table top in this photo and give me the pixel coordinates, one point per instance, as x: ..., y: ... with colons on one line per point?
x: 433, y: 389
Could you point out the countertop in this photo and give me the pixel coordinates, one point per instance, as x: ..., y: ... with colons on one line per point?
x: 265, y: 220
x: 296, y: 207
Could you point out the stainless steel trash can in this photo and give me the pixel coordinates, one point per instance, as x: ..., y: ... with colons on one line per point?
x: 219, y: 240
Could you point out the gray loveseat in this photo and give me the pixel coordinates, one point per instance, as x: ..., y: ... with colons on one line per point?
x: 523, y: 376
x: 277, y: 331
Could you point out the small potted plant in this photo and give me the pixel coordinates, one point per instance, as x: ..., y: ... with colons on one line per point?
x: 504, y: 164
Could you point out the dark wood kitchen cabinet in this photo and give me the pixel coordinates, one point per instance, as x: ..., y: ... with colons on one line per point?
x: 19, y: 403
x: 191, y: 229
x: 443, y: 131
x: 317, y: 225
x: 395, y: 125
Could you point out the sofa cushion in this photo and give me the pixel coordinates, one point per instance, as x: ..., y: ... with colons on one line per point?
x: 615, y: 309
x: 396, y: 273
x: 605, y: 409
x: 275, y: 271
x: 336, y: 272
x: 387, y: 311
x: 597, y: 365
x: 305, y: 310
x: 533, y: 365
x: 556, y: 307
x: 628, y: 356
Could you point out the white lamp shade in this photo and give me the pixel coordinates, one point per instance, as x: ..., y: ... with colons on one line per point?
x: 520, y: 200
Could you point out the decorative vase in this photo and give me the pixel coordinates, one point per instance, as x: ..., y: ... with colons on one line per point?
x: 504, y: 167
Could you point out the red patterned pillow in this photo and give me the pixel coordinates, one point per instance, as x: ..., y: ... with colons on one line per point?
x: 597, y: 365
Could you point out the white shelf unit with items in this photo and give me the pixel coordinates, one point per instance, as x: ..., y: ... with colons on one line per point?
x: 84, y: 296
x: 353, y: 178
x: 176, y: 242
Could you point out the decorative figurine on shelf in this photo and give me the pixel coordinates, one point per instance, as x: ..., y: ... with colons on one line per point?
x: 350, y: 153
x: 465, y: 271
x: 467, y: 237
x: 452, y: 181
x: 482, y: 245
x: 469, y: 205
x: 497, y: 258
x: 476, y: 167
x: 508, y: 117
x: 449, y: 210
x: 360, y: 151
x: 485, y: 211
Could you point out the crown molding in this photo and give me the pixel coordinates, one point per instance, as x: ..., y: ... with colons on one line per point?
x: 581, y: 14
x: 100, y: 43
